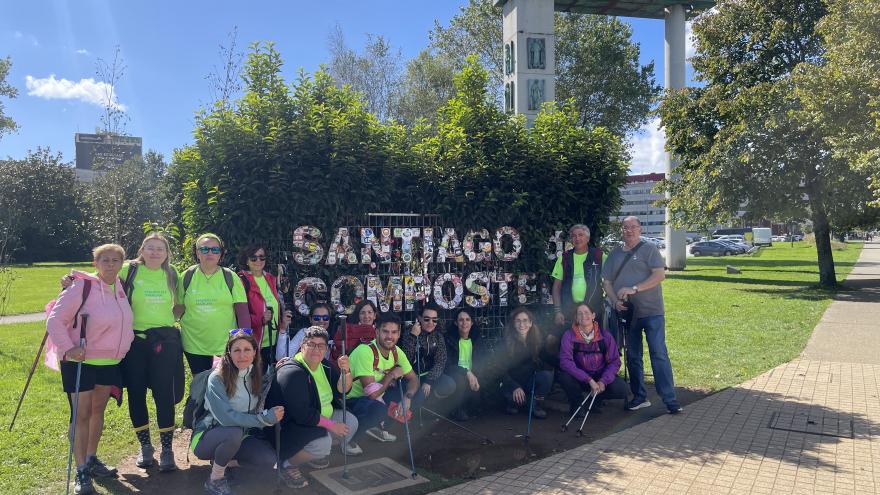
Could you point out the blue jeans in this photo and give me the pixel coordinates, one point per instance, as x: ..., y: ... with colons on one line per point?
x: 370, y: 412
x: 655, y: 334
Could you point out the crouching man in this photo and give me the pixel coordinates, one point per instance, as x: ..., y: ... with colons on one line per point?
x: 302, y: 385
x: 376, y: 367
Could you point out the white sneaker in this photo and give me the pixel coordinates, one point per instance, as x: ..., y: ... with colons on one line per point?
x: 381, y: 435
x: 353, y: 449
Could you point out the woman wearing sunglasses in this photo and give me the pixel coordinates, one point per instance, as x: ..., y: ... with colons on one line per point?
x: 234, y: 403
x: 264, y: 304
x: 214, y: 301
x: 320, y: 315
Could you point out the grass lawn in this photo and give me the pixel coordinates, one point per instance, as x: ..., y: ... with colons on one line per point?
x: 721, y: 330
x: 33, y: 286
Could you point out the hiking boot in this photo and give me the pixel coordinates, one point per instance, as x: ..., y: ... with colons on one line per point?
x: 82, y: 484
x: 293, y: 477
x: 98, y: 469
x: 381, y: 435
x: 166, y: 461
x: 320, y: 463
x: 674, y: 409
x: 217, y: 487
x: 353, y: 449
x: 511, y: 408
x: 538, y: 412
x: 145, y: 456
x: 636, y: 404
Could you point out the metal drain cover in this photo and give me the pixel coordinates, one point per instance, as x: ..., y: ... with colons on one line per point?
x: 815, y: 423
x: 368, y: 477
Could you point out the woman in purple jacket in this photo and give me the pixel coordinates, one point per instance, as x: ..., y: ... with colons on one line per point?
x: 589, y: 361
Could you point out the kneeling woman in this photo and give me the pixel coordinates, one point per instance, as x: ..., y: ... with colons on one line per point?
x: 589, y: 361
x: 525, y: 363
x: 302, y: 386
x: 234, y: 404
x: 88, y: 373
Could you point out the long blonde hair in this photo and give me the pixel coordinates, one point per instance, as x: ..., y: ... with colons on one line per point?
x: 170, y: 273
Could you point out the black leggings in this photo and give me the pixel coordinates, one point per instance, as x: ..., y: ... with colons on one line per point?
x: 154, y: 365
x: 199, y: 363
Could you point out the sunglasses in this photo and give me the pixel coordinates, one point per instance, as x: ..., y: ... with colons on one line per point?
x: 320, y: 317
x: 246, y: 331
x: 257, y: 258
x: 427, y: 319
x: 212, y: 250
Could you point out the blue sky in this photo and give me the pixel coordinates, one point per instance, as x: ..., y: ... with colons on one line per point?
x: 170, y: 47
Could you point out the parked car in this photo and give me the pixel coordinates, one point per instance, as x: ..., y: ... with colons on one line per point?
x: 778, y: 238
x: 736, y: 247
x: 711, y: 248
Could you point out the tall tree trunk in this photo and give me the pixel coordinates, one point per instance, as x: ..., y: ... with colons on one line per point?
x: 822, y: 231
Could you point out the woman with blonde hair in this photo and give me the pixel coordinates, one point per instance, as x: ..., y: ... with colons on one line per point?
x: 91, y: 323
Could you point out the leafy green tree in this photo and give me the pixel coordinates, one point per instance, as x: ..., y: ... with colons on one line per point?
x: 6, y: 122
x: 425, y: 87
x: 43, y: 215
x: 739, y: 138
x: 843, y: 95
x: 123, y: 197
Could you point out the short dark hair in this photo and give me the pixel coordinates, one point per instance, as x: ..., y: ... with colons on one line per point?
x: 317, y: 305
x: 247, y: 252
x: 432, y: 306
x: 389, y: 317
x: 316, y: 331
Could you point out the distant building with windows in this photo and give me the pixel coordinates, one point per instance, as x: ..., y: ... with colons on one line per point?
x: 639, y: 200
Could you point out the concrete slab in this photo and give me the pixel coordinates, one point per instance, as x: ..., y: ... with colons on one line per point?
x: 368, y: 477
x: 26, y: 318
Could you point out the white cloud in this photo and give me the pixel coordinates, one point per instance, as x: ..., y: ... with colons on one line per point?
x: 648, y: 154
x: 86, y: 90
x: 18, y: 35
x: 83, y: 51
x: 689, y: 43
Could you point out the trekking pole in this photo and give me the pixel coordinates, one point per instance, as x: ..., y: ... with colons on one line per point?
x: 531, y: 405
x: 486, y: 440
x: 565, y: 426
x: 28, y: 381
x: 419, y: 371
x: 580, y: 432
x: 412, y: 461
x: 278, y: 454
x: 344, y: 393
x: 82, y: 343
x: 271, y: 360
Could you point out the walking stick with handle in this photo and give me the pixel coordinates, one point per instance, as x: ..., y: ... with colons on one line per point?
x: 531, y: 405
x: 344, y: 388
x: 82, y: 344
x: 412, y: 461
x: 28, y: 381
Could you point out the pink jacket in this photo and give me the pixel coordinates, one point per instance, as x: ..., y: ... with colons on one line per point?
x: 109, y: 329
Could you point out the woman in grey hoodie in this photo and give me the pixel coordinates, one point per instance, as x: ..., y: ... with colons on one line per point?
x: 234, y: 404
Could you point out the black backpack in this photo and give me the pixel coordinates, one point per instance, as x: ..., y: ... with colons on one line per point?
x: 194, y: 410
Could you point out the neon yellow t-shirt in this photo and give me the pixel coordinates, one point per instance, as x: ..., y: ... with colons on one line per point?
x: 269, y: 297
x: 361, y: 360
x: 209, y: 314
x: 465, y: 353
x: 151, y: 300
x: 578, y: 282
x: 325, y: 393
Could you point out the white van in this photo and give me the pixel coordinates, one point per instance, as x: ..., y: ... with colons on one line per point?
x: 762, y: 236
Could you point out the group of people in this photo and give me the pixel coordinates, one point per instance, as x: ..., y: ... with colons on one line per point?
x: 273, y: 396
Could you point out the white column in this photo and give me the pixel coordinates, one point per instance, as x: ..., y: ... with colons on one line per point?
x: 528, y: 29
x: 674, y: 74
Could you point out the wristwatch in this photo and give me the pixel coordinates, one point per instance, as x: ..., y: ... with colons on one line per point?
x: 635, y: 288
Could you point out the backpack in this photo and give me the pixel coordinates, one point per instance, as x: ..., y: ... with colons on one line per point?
x: 188, y: 277
x: 194, y: 409
x: 53, y: 354
x: 128, y: 283
x: 375, y: 350
x: 354, y: 336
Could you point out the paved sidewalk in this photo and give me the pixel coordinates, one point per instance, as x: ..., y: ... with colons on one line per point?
x: 807, y: 426
x: 26, y: 318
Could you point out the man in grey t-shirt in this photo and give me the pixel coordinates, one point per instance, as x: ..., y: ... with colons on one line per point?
x: 638, y: 283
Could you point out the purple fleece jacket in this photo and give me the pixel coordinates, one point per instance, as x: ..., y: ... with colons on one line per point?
x: 583, y: 361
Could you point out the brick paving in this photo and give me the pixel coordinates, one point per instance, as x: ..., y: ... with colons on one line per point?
x: 825, y: 417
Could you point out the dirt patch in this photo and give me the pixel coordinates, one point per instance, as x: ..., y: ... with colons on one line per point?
x: 443, y: 453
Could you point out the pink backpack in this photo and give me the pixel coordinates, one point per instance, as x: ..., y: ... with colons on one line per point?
x: 53, y: 354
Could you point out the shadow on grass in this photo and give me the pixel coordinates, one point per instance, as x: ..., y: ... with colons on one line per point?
x: 739, y: 279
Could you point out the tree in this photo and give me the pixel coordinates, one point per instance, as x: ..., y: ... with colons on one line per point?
x: 6, y: 122
x: 426, y: 86
x: 376, y: 73
x: 43, y: 215
x: 843, y: 95
x: 124, y: 197
x: 113, y: 118
x: 739, y: 138
x: 597, y: 63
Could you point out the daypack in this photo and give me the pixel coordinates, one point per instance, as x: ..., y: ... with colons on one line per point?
x: 188, y: 276
x: 128, y: 283
x: 53, y: 354
x: 354, y: 336
x: 375, y: 349
x: 194, y: 409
